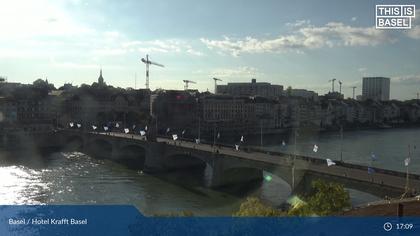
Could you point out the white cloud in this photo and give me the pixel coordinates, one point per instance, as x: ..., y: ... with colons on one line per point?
x: 306, y: 37
x: 362, y: 71
x: 354, y: 18
x: 79, y: 65
x: 299, y: 23
x: 407, y: 79
x: 109, y: 51
x: 40, y: 29
x: 161, y: 46
x: 23, y: 19
x: 238, y: 72
x: 414, y: 32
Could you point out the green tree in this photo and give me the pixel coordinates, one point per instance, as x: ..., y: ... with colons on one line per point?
x: 43, y: 85
x: 289, y: 91
x: 327, y: 198
x: 254, y: 207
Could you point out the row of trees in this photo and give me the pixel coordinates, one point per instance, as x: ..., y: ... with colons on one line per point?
x: 325, y: 198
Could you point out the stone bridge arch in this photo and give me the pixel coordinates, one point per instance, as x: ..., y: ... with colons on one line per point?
x: 133, y: 155
x: 184, y: 160
x: 73, y: 143
x: 235, y: 170
x: 99, y: 148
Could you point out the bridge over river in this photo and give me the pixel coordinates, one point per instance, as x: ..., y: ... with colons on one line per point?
x: 226, y: 166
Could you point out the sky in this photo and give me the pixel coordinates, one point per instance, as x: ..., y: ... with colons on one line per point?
x: 302, y: 44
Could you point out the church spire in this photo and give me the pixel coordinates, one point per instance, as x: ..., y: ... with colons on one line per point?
x: 100, y: 79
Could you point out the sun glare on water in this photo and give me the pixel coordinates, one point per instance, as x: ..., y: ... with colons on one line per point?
x: 20, y: 185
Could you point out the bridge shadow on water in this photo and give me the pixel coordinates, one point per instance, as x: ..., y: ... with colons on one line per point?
x: 195, y: 178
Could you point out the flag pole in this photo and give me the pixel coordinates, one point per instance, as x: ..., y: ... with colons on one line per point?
x: 294, y: 160
x: 407, y: 162
x: 341, y: 143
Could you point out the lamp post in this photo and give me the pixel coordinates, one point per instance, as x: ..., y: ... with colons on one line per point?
x: 261, y: 134
x: 199, y: 117
x: 214, y: 134
x: 341, y: 143
x: 261, y: 118
x: 294, y: 158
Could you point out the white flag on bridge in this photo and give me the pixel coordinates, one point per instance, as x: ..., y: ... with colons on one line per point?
x: 94, y: 127
x: 330, y: 162
x: 117, y: 125
x: 126, y: 130
x: 315, y: 148
x: 142, y: 132
x: 106, y: 128
x: 407, y: 161
x: 242, y: 138
x: 197, y: 141
x: 236, y: 147
x: 79, y: 125
x: 71, y: 124
x: 145, y: 128
x: 174, y: 137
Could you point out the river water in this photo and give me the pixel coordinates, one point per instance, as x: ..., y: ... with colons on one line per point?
x: 75, y: 178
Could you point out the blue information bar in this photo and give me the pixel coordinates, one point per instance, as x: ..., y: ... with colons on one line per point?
x: 127, y: 220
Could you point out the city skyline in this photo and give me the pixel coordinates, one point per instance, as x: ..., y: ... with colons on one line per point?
x: 296, y: 44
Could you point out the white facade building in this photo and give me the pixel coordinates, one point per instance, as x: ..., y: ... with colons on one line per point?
x: 376, y: 88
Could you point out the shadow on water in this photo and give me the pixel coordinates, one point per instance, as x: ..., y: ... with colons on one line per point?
x: 189, y: 179
x: 194, y: 180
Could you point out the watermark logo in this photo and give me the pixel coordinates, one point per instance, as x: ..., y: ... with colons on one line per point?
x: 394, y: 16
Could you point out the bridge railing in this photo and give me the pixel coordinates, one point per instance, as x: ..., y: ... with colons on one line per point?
x: 321, y: 161
x: 314, y: 160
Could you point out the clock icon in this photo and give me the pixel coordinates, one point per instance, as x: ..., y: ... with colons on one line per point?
x: 387, y: 226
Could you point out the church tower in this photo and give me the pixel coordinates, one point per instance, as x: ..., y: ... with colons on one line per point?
x: 100, y: 79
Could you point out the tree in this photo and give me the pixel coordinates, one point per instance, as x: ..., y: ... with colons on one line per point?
x: 327, y: 198
x: 289, y: 91
x: 43, y: 85
x: 254, y: 207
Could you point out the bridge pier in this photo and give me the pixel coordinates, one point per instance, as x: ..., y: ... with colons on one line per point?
x: 225, y: 173
x: 155, y: 153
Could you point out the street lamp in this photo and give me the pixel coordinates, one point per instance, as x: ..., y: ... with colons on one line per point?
x: 294, y: 158
x: 261, y: 118
x: 199, y: 117
x: 341, y: 142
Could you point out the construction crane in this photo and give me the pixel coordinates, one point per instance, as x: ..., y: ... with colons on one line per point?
x: 148, y: 62
x: 340, y: 83
x: 354, y: 87
x: 333, y: 81
x: 215, y: 84
x: 187, y: 82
